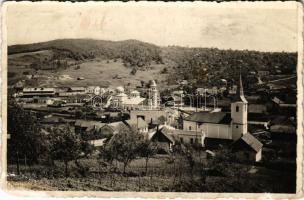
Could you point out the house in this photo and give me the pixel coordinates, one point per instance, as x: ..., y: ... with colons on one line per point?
x: 263, y: 73
x: 96, y: 90
x: 77, y: 90
x: 247, y: 149
x: 94, y: 130
x: 233, y: 90
x: 178, y: 100
x: 140, y: 124
x: 147, y: 115
x: 164, y: 139
x: 98, y: 142
x: 283, y: 127
x: 210, y: 91
x: 82, y: 125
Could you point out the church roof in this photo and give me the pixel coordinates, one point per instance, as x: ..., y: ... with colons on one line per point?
x: 206, y: 117
x: 240, y: 93
x: 153, y: 83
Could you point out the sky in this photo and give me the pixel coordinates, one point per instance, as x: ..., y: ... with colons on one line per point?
x: 252, y: 26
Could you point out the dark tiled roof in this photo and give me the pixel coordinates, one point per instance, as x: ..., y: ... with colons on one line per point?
x: 254, y: 143
x: 206, y: 117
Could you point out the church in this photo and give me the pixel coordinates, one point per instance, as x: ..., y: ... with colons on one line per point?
x: 221, y: 125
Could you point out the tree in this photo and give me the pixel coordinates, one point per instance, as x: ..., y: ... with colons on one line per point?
x: 124, y: 146
x: 26, y: 140
x: 142, y: 82
x: 133, y: 71
x: 147, y: 149
x: 65, y: 146
x: 162, y: 119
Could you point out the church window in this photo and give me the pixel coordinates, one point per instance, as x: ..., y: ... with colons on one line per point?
x: 236, y: 109
x: 191, y: 140
x: 182, y: 140
x: 189, y: 128
x: 236, y: 126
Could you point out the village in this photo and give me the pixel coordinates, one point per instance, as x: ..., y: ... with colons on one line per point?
x: 252, y: 121
x: 206, y: 117
x: 152, y: 98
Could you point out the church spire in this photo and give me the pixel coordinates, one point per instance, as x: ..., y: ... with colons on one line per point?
x: 240, y: 91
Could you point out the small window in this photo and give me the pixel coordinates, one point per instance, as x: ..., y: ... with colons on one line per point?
x: 182, y: 140
x: 191, y: 140
x: 236, y: 109
x: 189, y: 128
x: 236, y: 126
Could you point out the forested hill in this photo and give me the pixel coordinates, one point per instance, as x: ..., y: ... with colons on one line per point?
x: 133, y: 52
x: 184, y: 63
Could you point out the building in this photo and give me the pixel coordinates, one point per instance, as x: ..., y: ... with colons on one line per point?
x: 140, y: 124
x: 221, y: 125
x: 147, y: 115
x: 213, y: 124
x: 38, y: 92
x: 168, y: 136
x: 247, y: 149
x: 283, y: 127
x: 165, y: 139
x: 123, y: 101
x: 76, y: 90
x: 94, y: 130
x: 95, y: 90
x: 153, y: 96
x: 263, y: 73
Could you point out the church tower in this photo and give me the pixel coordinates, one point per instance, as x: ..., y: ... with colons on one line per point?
x: 154, y: 94
x: 239, y: 110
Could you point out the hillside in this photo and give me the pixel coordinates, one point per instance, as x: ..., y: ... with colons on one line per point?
x: 132, y: 59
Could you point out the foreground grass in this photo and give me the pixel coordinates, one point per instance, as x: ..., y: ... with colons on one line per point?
x: 163, y: 176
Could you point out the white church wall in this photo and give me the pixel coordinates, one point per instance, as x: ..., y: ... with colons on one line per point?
x: 219, y: 131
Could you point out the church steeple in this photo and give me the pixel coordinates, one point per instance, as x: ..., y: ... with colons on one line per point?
x: 240, y: 92
x: 239, y: 113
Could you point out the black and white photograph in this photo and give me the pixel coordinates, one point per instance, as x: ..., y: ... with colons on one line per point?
x: 153, y: 97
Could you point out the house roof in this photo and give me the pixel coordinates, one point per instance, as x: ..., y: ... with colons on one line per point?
x: 133, y: 101
x: 164, y: 131
x: 99, y: 142
x: 77, y: 88
x: 38, y: 89
x: 254, y: 143
x: 139, y: 122
x: 207, y: 117
x: 282, y: 120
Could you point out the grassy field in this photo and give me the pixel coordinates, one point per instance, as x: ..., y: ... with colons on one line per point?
x: 163, y: 175
x: 105, y: 73
x: 95, y: 72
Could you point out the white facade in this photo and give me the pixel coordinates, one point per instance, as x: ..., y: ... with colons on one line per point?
x: 218, y: 131
x: 239, y: 119
x: 154, y: 95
